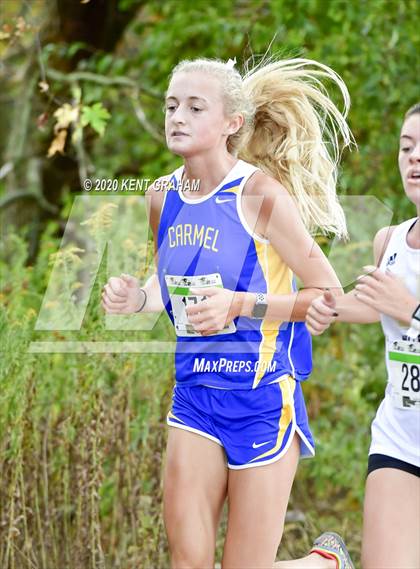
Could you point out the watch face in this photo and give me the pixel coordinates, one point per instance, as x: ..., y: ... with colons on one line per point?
x: 259, y: 311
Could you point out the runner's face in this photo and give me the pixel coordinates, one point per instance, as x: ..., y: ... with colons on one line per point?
x: 409, y: 157
x: 195, y: 121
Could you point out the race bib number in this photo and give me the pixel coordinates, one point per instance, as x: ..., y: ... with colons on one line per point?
x: 404, y: 369
x: 179, y: 293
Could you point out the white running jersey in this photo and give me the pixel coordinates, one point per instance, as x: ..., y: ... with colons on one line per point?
x: 396, y: 432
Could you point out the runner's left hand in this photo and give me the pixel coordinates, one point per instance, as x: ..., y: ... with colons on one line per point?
x: 215, y: 312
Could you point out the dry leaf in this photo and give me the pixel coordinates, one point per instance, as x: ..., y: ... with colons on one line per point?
x: 57, y: 145
x: 43, y: 85
x: 65, y: 115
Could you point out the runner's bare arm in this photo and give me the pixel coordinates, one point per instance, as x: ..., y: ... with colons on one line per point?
x: 154, y: 196
x: 349, y: 308
x: 275, y: 216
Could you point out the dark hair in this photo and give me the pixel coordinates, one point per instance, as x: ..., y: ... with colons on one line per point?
x: 412, y: 111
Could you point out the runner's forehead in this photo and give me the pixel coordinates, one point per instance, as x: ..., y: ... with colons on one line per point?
x: 194, y: 85
x: 411, y: 128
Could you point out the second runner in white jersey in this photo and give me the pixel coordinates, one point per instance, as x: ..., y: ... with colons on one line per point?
x: 395, y: 430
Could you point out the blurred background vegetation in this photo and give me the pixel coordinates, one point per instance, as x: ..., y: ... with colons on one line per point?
x: 82, y: 434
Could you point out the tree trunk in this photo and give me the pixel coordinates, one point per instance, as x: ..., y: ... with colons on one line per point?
x: 100, y: 25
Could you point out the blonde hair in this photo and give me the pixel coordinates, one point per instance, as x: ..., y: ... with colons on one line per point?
x: 291, y: 129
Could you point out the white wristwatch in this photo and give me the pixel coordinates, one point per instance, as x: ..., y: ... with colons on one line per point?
x: 260, y: 306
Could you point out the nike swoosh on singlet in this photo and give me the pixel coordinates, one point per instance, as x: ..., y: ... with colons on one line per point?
x: 255, y: 445
x: 218, y: 200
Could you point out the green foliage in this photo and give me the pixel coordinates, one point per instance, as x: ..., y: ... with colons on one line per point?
x: 96, y: 116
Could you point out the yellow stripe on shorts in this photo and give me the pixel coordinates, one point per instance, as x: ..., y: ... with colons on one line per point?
x: 287, y: 387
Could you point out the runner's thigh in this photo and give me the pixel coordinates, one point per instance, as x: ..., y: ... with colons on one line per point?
x: 195, y: 483
x: 391, y: 524
x: 258, y: 500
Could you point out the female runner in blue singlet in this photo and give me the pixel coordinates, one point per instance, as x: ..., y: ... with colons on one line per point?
x: 390, y: 292
x: 263, y: 150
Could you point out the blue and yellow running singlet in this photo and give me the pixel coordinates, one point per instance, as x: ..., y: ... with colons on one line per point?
x: 207, y: 242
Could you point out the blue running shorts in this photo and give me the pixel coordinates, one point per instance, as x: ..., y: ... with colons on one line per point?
x: 254, y: 426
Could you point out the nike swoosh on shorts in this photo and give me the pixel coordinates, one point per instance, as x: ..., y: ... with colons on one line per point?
x: 255, y: 445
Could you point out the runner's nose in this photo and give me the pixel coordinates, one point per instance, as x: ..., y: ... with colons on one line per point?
x: 178, y: 116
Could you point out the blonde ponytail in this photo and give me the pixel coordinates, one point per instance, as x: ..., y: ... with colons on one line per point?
x: 295, y: 136
x: 292, y: 130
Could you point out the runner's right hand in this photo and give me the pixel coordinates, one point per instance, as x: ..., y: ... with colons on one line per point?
x: 122, y: 295
x: 321, y: 313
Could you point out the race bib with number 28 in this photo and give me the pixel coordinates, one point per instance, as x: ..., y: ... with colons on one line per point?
x: 404, y: 369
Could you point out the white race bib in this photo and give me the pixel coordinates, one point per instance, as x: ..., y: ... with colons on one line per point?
x: 404, y: 370
x: 179, y: 293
